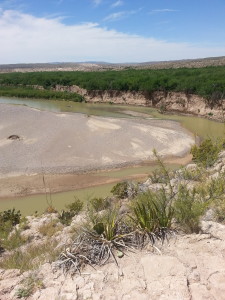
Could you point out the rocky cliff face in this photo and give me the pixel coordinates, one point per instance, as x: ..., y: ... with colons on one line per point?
x: 164, y: 101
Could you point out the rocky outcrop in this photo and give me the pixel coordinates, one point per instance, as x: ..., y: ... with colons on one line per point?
x: 189, y: 267
x: 164, y: 101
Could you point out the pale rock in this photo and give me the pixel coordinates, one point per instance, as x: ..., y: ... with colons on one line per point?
x: 50, y: 293
x: 124, y: 209
x: 215, y: 175
x: 194, y: 277
x: 214, y: 229
x: 216, y: 168
x: 222, y: 154
x: 200, y: 292
x: 209, y: 215
x: 222, y: 169
x: 191, y: 167
x: 166, y: 277
x: 157, y: 186
x: 216, y: 285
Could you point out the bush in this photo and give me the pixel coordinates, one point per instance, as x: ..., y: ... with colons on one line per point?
x: 66, y: 216
x: 8, y: 219
x: 32, y: 258
x: 10, y: 215
x: 158, y: 176
x: 50, y: 228
x: 120, y: 190
x: 75, y: 206
x: 153, y: 214
x: 99, y: 204
x: 13, y: 241
x: 189, y: 207
x: 29, y: 286
x: 193, y: 174
x: 207, y: 153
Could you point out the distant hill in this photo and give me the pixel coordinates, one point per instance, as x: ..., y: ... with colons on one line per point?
x: 101, y: 66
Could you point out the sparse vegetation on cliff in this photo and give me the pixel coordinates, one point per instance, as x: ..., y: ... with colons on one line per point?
x: 106, y: 232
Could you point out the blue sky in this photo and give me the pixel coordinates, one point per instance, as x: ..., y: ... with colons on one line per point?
x: 110, y: 30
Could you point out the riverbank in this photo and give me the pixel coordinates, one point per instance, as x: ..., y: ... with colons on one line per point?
x: 165, y: 102
x: 55, y: 143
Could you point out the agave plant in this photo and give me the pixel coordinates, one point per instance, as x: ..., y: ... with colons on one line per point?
x: 110, y: 235
x: 152, y: 214
x: 98, y: 242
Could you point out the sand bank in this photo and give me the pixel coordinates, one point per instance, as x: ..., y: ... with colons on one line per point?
x: 56, y: 143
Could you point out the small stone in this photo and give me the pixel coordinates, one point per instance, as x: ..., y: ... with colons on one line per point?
x: 120, y: 254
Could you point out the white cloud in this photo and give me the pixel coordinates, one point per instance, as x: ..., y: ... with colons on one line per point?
x: 115, y: 16
x: 120, y: 15
x: 12, y: 4
x: 25, y: 38
x: 156, y: 11
x: 117, y: 3
x: 97, y: 2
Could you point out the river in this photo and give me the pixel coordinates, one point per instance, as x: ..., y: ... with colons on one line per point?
x: 198, y: 126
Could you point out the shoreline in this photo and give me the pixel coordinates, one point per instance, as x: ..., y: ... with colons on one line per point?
x: 27, y: 185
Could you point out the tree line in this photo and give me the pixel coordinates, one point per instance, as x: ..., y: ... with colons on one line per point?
x: 208, y: 82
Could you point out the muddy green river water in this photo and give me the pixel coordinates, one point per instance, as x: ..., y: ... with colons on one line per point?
x: 198, y: 126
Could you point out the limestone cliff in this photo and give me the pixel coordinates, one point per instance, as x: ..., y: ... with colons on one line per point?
x: 165, y: 101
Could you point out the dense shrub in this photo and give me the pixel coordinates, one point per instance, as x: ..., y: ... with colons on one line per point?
x: 99, y: 204
x: 120, y: 190
x: 208, y: 82
x: 207, y: 153
x: 28, y: 92
x: 189, y: 207
x: 10, y: 215
x: 73, y: 209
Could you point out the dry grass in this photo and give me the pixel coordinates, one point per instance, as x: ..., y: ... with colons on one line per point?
x: 50, y: 228
x: 32, y: 257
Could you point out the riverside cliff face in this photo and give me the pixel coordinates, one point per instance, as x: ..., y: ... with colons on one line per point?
x: 165, y: 101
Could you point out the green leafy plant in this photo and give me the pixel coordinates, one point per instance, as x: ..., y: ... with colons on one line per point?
x: 189, y: 207
x: 10, y: 215
x: 13, y: 240
x: 158, y: 176
x: 192, y: 174
x: 120, y: 190
x: 99, y: 204
x: 74, y: 208
x: 29, y: 285
x: 207, y: 153
x: 65, y: 217
x: 24, y: 224
x: 152, y: 214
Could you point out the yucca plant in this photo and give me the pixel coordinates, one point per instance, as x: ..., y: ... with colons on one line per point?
x: 99, y: 241
x: 110, y: 234
x: 152, y: 215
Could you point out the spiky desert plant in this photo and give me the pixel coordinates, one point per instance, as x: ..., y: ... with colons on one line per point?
x: 152, y: 215
x: 97, y: 243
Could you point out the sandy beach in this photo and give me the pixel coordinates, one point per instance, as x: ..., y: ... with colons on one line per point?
x: 66, y: 143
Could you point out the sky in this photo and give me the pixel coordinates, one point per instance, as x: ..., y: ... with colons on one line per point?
x: 115, y: 31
